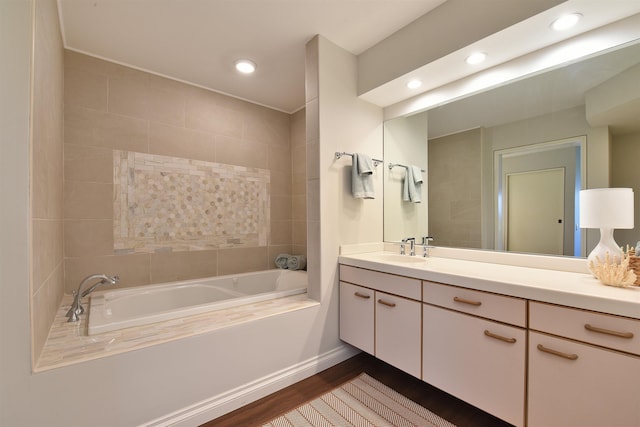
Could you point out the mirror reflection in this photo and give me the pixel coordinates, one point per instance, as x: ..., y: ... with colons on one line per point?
x: 504, y: 167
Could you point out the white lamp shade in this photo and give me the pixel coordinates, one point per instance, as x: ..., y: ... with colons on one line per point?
x: 606, y: 208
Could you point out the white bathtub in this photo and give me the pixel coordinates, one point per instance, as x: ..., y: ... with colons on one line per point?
x: 110, y: 310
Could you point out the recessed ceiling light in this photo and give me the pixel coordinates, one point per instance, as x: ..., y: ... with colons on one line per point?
x: 245, y: 66
x: 476, y: 58
x: 566, y: 21
x: 414, y: 84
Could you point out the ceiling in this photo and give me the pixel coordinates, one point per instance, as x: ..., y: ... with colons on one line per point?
x: 198, y: 41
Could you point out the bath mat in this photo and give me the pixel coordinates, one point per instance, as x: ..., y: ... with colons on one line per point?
x: 362, y: 401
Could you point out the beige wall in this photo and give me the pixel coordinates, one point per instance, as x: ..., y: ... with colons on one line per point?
x: 111, y: 107
x: 46, y: 173
x: 455, y: 177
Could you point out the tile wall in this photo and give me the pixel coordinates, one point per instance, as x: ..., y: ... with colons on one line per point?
x: 47, y: 278
x: 455, y: 211
x: 111, y: 107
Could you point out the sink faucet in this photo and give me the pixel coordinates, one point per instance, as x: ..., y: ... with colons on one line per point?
x: 412, y: 246
x: 77, y: 308
x: 426, y: 246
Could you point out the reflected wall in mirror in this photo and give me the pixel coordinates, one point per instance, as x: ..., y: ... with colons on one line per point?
x: 578, y: 126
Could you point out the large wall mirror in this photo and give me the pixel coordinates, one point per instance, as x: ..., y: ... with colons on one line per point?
x: 503, y: 167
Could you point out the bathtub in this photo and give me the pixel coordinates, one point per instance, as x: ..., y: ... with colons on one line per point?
x: 110, y: 310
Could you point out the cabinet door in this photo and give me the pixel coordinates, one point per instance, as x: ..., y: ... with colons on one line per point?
x: 356, y: 316
x: 573, y: 384
x: 479, y: 361
x: 398, y: 332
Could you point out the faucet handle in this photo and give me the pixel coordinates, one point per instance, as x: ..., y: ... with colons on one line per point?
x: 426, y: 239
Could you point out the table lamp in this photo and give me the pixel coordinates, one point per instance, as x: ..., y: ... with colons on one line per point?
x: 606, y: 209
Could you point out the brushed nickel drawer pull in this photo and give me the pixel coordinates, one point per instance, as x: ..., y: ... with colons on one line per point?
x: 361, y: 295
x: 387, y: 303
x: 467, y: 301
x: 557, y: 353
x: 627, y: 335
x: 499, y: 337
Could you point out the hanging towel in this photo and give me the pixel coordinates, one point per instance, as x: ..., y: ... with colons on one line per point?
x: 412, y: 185
x: 362, y: 177
x: 281, y: 260
x: 296, y: 262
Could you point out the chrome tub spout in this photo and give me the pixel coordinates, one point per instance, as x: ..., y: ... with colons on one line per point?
x: 76, y: 307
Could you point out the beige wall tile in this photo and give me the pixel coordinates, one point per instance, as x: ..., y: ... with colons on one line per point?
x: 90, y: 164
x: 275, y: 250
x: 181, y: 142
x: 48, y: 249
x: 280, y: 159
x: 46, y: 175
x: 203, y: 112
x: 280, y: 183
x: 129, y: 95
x: 88, y: 200
x: 298, y: 184
x: 87, y: 127
x: 133, y: 269
x: 242, y: 260
x: 313, y: 160
x: 84, y: 88
x: 280, y: 232
x: 167, y: 101
x: 233, y: 151
x: 299, y: 207
x: 299, y: 160
x: 299, y: 235
x: 298, y: 136
x: 311, y: 69
x: 312, y: 117
x: 88, y: 237
x: 313, y: 200
x: 91, y: 64
x: 44, y: 306
x: 172, y: 266
x: 267, y: 126
x: 280, y: 208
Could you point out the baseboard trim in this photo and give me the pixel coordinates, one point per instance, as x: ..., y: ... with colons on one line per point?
x: 216, y: 406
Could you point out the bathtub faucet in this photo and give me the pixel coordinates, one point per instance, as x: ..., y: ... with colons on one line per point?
x: 77, y: 308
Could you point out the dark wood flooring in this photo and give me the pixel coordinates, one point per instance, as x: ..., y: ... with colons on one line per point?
x: 278, y: 403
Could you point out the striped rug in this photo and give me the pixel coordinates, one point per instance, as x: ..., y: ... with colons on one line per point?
x: 362, y: 402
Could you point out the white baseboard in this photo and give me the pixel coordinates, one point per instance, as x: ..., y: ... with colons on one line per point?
x: 216, y: 406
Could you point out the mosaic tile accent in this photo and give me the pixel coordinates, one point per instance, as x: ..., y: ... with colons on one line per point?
x: 171, y: 204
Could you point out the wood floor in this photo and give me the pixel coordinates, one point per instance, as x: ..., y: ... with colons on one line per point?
x: 448, y: 407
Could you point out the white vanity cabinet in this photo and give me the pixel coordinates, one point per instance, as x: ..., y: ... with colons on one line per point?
x: 380, y: 314
x: 477, y: 359
x: 584, y: 368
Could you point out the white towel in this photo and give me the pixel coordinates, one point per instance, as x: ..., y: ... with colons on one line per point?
x: 412, y: 185
x: 362, y: 177
x: 296, y: 262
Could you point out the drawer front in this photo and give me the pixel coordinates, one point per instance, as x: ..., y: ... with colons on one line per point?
x: 619, y: 333
x: 390, y: 283
x: 491, y: 306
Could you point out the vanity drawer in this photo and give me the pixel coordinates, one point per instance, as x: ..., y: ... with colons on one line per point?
x: 389, y: 283
x: 491, y: 306
x: 619, y: 333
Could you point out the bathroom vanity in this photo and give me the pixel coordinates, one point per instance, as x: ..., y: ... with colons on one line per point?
x: 532, y: 346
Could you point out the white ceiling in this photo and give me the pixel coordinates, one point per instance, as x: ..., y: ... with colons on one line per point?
x: 197, y: 41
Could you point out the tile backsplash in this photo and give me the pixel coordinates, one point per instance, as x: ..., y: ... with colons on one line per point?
x: 166, y: 203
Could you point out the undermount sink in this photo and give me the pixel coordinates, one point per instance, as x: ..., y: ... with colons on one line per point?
x: 397, y: 258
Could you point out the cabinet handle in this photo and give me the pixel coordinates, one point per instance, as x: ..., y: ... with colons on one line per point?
x: 627, y: 335
x: 467, y: 301
x: 557, y: 353
x: 361, y: 295
x: 387, y: 303
x: 499, y: 337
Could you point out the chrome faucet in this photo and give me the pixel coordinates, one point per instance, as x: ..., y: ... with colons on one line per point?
x: 426, y: 246
x: 76, y: 308
x: 412, y: 246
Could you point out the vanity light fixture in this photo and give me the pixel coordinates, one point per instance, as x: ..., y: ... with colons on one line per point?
x: 414, y: 84
x: 566, y: 21
x: 245, y: 66
x: 476, y: 58
x: 606, y: 209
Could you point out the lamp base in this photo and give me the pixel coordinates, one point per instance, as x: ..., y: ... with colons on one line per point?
x: 607, y: 245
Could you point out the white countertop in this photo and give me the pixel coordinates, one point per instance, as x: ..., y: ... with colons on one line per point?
x: 558, y: 287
